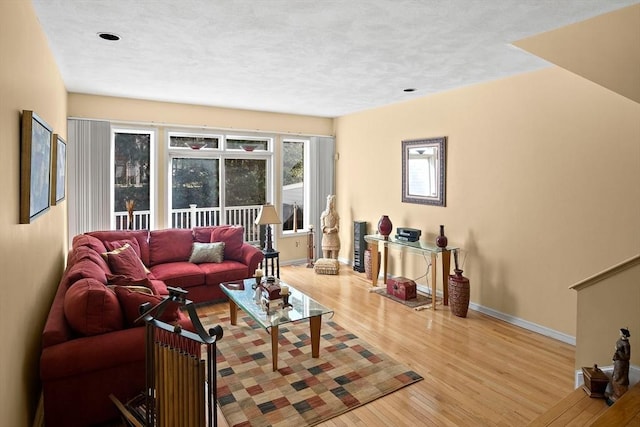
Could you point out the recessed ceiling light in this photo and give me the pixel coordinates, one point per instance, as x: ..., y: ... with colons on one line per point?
x: 109, y: 36
x: 409, y: 89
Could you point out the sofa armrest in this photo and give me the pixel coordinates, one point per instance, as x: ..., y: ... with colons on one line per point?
x: 56, y: 329
x: 251, y: 256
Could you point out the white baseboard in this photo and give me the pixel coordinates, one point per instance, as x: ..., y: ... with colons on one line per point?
x: 294, y: 262
x: 634, y: 375
x: 530, y: 326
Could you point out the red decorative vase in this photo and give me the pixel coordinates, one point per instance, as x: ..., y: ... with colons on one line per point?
x: 459, y: 291
x: 385, y: 226
x: 441, y: 240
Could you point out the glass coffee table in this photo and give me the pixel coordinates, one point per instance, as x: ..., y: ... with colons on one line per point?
x: 241, y: 295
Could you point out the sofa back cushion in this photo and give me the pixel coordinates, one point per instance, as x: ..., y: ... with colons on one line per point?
x: 85, y: 269
x: 233, y: 238
x: 89, y: 241
x: 86, y: 253
x: 203, y: 234
x: 92, y: 309
x: 170, y: 245
x: 142, y: 237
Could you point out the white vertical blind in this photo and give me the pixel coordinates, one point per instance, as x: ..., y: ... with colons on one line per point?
x: 88, y: 169
x: 322, y: 152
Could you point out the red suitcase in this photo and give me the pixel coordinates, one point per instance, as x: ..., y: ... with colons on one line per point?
x: 401, y: 288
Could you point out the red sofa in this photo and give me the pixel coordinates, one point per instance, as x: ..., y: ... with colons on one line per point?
x: 90, y: 346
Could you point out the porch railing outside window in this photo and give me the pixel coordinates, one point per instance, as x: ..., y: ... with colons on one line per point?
x: 199, y: 217
x: 141, y: 220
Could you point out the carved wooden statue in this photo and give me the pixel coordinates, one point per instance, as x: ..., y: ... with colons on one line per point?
x: 330, y: 223
x: 621, y: 357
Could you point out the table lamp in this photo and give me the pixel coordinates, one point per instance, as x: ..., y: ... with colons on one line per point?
x: 268, y: 216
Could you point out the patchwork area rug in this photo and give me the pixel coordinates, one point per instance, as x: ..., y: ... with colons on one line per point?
x: 304, y: 391
x: 421, y: 302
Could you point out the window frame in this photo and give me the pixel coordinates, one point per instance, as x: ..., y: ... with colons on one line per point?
x: 222, y: 153
x: 306, y: 184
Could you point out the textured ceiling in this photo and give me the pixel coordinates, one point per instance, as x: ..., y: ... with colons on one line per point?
x: 324, y: 58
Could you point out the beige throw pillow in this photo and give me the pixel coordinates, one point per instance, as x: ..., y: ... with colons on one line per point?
x: 207, y: 252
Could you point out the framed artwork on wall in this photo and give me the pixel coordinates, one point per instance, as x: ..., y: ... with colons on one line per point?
x: 35, y: 167
x: 59, y: 165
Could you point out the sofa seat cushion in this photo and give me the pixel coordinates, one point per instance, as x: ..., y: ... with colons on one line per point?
x: 92, y: 309
x: 181, y: 274
x: 87, y: 354
x: 224, y: 272
x: 142, y: 236
x: 170, y: 245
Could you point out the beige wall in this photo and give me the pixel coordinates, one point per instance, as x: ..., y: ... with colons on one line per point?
x: 171, y: 114
x: 603, y: 308
x: 542, y: 186
x: 604, y: 49
x: 31, y: 255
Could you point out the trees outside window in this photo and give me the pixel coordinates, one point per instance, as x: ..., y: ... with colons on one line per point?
x: 245, y: 182
x: 195, y: 181
x: 132, y: 169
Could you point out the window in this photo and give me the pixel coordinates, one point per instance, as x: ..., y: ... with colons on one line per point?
x: 247, y: 144
x: 132, y: 180
x: 212, y: 177
x: 218, y: 179
x: 194, y: 142
x: 294, y: 185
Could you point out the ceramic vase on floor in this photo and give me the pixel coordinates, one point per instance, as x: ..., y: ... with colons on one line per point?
x: 367, y: 263
x: 459, y: 290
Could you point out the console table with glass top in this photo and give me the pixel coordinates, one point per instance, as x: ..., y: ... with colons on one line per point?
x: 241, y: 295
x: 421, y: 247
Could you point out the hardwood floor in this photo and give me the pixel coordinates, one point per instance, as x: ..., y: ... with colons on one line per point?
x: 478, y: 371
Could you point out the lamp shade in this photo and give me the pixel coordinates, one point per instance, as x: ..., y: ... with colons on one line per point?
x: 267, y: 215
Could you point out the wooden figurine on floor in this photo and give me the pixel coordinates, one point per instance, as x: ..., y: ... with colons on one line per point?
x: 621, y: 357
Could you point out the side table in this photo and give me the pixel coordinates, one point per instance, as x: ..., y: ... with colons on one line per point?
x: 420, y: 247
x: 272, y: 255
